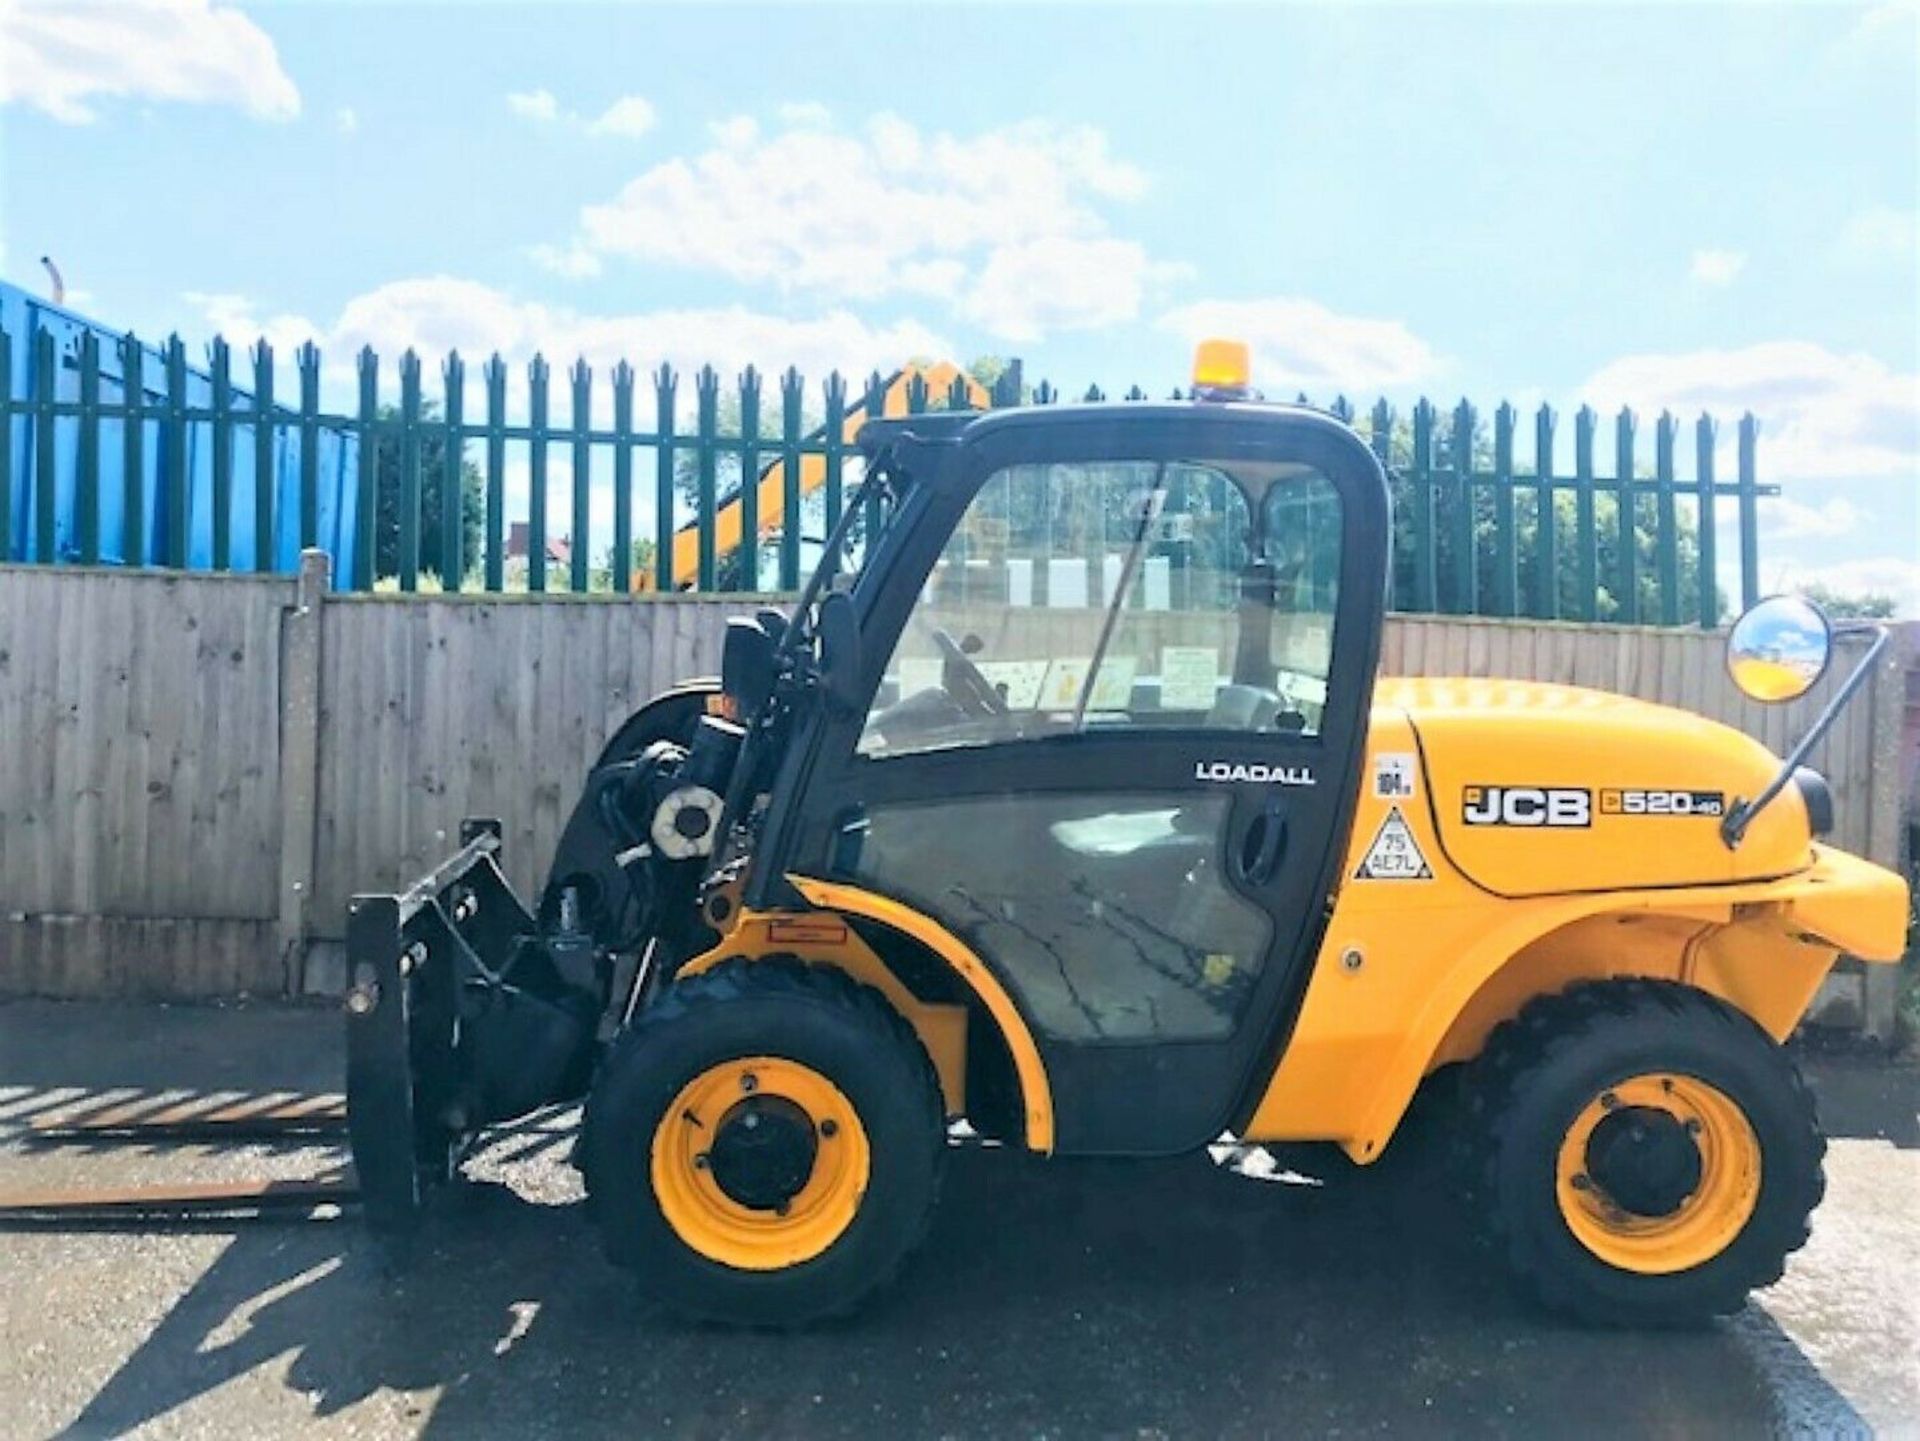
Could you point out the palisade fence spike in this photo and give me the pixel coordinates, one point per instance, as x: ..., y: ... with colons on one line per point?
x: 453, y: 533
x: 538, y: 375
x: 580, y: 419
x: 367, y: 502
x: 219, y: 364
x: 264, y: 489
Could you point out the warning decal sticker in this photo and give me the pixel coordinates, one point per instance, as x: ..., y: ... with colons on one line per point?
x: 1395, y: 854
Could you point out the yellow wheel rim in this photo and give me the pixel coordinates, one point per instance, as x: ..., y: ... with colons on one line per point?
x: 716, y: 1190
x: 1694, y: 1222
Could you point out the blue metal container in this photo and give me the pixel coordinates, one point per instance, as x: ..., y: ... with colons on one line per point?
x: 337, y: 450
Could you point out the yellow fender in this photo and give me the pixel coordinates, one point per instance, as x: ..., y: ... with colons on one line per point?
x: 823, y: 937
x: 1396, y: 995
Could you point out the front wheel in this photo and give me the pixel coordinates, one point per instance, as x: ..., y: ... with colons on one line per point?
x: 763, y: 1146
x: 1643, y: 1153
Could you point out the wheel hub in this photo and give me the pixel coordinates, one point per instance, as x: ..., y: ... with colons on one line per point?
x: 1645, y: 1160
x: 763, y: 1152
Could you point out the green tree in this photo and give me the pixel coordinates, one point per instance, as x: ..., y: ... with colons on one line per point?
x: 1845, y: 605
x: 433, y: 470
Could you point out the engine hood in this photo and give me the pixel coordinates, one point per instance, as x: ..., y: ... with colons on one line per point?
x: 1541, y: 789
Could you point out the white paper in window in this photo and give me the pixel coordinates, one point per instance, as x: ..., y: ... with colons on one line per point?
x: 1067, y: 581
x: 1157, y: 573
x: 1019, y: 580
x: 1189, y: 677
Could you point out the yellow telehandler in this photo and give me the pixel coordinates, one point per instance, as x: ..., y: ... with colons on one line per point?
x: 1066, y: 801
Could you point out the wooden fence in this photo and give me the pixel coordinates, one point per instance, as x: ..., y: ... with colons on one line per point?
x: 196, y: 771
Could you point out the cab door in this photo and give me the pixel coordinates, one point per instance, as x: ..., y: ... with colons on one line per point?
x: 1118, y: 680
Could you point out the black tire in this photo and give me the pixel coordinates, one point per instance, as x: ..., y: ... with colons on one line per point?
x: 1542, y: 1068
x: 822, y: 1019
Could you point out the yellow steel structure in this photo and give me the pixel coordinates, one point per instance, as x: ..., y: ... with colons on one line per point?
x: 728, y: 521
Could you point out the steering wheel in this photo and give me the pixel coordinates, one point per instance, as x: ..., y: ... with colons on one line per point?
x: 978, y: 694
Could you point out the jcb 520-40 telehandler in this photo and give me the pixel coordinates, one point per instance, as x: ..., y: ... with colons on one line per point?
x: 1067, y: 801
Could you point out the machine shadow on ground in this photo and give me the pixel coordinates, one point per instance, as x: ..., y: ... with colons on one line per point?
x: 1052, y: 1299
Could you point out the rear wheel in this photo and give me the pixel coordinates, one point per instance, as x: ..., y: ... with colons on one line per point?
x: 1642, y: 1153
x: 764, y: 1144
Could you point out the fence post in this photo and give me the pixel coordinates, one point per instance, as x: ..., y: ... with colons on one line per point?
x: 1666, y: 518
x: 496, y: 541
x: 1703, y: 524
x: 44, y: 472
x: 665, y: 382
x: 1626, y: 513
x: 1586, y: 538
x: 582, y: 527
x: 1506, y: 550
x: 409, y: 471
x: 1426, y: 585
x: 179, y: 481
x: 300, y: 631
x: 1546, y: 557
x: 453, y: 474
x: 537, y: 374
x: 221, y: 432
x: 367, y: 505
x: 1749, y: 513
x: 748, y: 571
x: 87, y: 456
x: 1466, y: 570
x: 265, y: 487
x: 133, y: 466
x: 622, y: 569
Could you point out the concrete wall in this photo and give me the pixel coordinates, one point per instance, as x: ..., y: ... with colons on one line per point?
x: 197, y: 771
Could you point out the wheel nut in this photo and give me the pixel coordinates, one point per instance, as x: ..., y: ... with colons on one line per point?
x: 1609, y: 1101
x: 1693, y: 1127
x: 1581, y: 1183
x: 829, y: 1128
x: 782, y: 1208
x: 700, y: 1162
x: 749, y: 1082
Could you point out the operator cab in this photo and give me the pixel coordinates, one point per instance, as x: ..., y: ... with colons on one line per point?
x: 1096, y: 700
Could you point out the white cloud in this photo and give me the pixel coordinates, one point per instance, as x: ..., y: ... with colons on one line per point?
x: 630, y: 117
x: 1822, y: 413
x: 1782, y: 519
x: 1877, y: 233
x: 1007, y: 224
x: 539, y: 106
x: 1057, y: 282
x: 1717, y: 267
x: 346, y: 120
x: 237, y: 318
x: 736, y: 132
x: 573, y: 262
x: 1299, y: 344
x: 1888, y: 575
x: 438, y: 313
x: 62, y: 58
x: 805, y: 115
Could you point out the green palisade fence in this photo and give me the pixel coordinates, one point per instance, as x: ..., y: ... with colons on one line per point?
x: 1488, y: 521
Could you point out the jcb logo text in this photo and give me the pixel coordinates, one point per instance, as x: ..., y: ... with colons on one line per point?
x: 1528, y: 806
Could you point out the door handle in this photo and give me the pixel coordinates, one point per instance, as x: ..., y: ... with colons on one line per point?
x: 1266, y: 840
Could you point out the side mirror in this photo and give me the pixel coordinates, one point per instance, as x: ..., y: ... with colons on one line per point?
x: 746, y: 665
x: 1779, y: 649
x: 838, y: 630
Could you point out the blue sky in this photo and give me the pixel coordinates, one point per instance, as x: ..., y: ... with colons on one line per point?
x: 1698, y: 206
